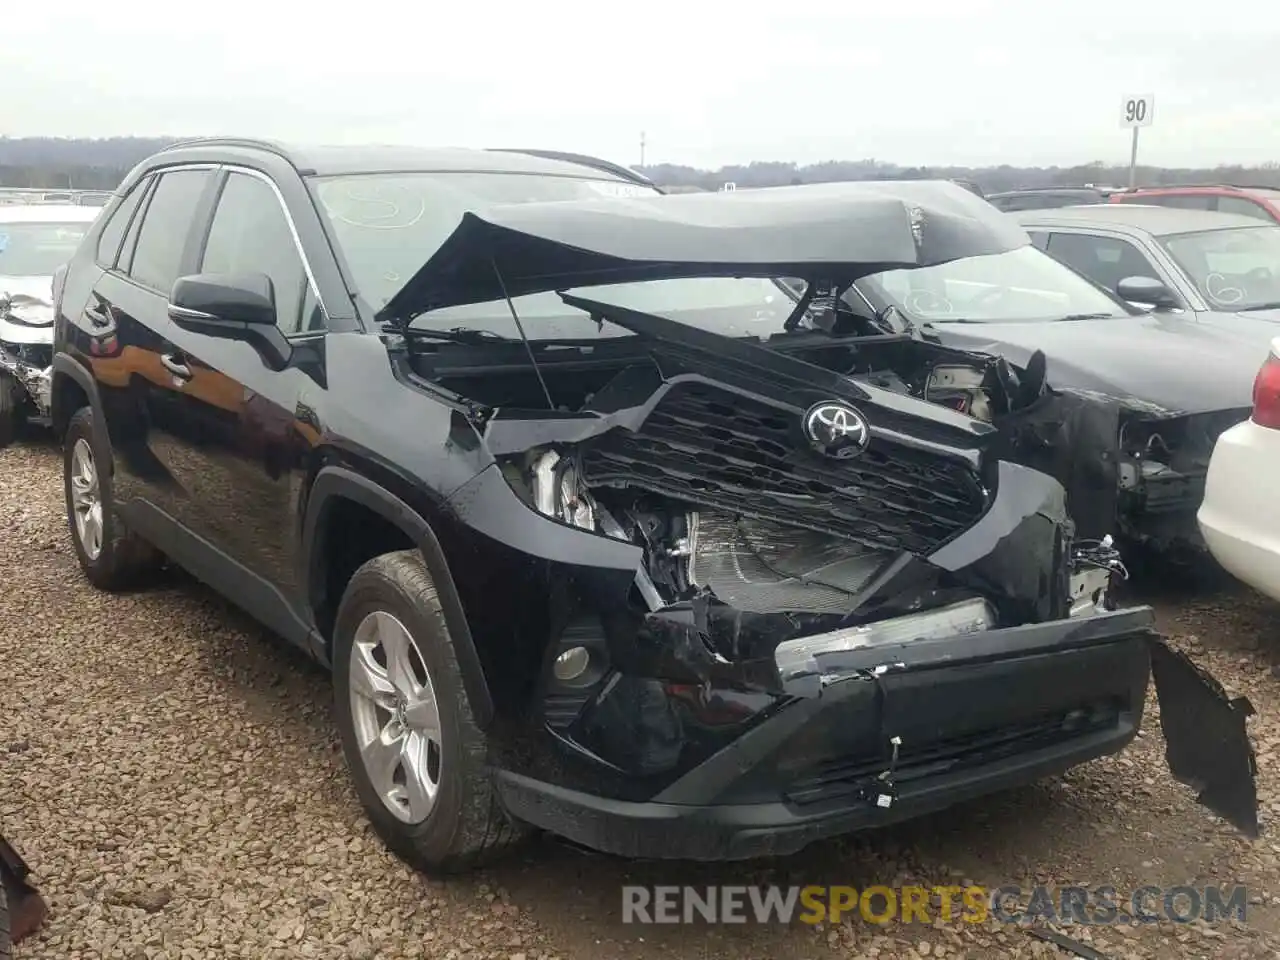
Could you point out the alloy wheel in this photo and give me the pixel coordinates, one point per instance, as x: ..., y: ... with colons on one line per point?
x: 396, y: 717
x: 86, y: 499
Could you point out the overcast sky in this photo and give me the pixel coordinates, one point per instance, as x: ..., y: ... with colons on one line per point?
x: 908, y: 81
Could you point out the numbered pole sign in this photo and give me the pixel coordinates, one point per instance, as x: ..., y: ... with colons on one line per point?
x: 1137, y: 110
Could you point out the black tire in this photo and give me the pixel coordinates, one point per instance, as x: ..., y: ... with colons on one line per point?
x: 467, y: 826
x: 125, y: 561
x: 10, y: 409
x: 6, y: 945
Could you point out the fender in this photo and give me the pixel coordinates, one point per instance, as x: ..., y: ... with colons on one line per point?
x: 67, y: 366
x: 334, y: 481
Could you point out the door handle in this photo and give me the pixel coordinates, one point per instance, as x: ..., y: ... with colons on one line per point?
x: 175, y: 365
x: 97, y: 316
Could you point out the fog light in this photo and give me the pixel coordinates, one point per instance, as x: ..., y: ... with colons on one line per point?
x: 571, y: 664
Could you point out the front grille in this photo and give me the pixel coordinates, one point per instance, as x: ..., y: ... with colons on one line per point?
x: 720, y: 449
x: 858, y: 776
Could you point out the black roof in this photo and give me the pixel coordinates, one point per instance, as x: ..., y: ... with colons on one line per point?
x: 1157, y: 221
x: 828, y: 232
x: 334, y: 160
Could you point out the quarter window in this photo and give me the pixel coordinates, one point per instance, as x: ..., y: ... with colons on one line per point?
x: 157, y: 259
x: 250, y: 234
x: 113, y: 230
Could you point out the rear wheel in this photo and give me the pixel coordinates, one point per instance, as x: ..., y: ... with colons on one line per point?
x: 416, y: 755
x: 111, y: 556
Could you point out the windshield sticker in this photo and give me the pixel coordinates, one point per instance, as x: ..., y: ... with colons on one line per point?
x: 622, y: 191
x: 381, y: 207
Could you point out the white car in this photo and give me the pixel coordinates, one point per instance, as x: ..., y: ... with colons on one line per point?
x: 35, y: 240
x: 1240, y: 514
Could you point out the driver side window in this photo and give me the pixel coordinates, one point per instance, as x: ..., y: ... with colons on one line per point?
x: 250, y: 234
x: 1104, y: 260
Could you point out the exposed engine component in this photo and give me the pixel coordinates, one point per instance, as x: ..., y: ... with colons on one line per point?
x: 26, y: 350
x: 960, y: 388
x: 763, y: 567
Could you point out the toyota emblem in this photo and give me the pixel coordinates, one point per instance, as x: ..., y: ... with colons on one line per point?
x: 835, y: 429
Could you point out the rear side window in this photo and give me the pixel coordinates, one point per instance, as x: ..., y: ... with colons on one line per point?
x: 157, y: 258
x: 1248, y: 208
x: 113, y: 230
x: 1182, y: 201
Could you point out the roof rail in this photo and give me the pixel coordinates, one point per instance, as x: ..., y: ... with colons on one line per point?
x: 583, y: 160
x: 1216, y: 184
x: 252, y: 143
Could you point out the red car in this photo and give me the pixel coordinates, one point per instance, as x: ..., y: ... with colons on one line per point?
x: 1262, y: 203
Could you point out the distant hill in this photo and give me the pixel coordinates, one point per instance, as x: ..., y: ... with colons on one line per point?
x: 100, y: 164
x: 67, y: 162
x: 991, y: 179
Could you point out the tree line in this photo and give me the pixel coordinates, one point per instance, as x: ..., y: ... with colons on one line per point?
x: 98, y: 164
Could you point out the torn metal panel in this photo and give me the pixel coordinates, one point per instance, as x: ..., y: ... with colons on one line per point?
x: 1206, y: 736
x: 1075, y: 439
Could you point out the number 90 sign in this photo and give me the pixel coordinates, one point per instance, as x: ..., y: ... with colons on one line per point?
x: 1137, y: 110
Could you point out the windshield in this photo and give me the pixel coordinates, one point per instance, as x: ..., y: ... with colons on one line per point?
x: 389, y: 225
x: 1018, y: 285
x: 37, y: 249
x: 1237, y: 268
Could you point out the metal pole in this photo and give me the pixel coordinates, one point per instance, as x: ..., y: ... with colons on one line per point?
x: 1133, y: 160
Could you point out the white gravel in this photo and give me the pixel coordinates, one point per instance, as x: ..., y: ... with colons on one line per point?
x: 172, y: 775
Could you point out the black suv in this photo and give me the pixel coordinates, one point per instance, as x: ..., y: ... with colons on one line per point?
x: 601, y: 530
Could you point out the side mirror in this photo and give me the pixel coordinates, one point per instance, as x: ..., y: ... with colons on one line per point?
x: 237, y: 298
x: 1147, y: 291
x: 232, y: 306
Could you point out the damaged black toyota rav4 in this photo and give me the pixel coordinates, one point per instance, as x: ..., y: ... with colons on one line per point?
x: 601, y: 531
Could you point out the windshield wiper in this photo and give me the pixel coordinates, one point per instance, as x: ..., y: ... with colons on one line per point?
x: 457, y: 335
x: 1086, y: 316
x: 1275, y: 305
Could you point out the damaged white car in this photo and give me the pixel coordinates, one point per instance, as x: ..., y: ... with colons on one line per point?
x: 35, y: 240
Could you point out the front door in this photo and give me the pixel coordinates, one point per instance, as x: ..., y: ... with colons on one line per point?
x: 243, y: 448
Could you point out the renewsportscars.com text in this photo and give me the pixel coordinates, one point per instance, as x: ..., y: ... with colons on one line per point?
x: 972, y: 904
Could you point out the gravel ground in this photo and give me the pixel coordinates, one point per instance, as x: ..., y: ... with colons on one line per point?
x: 172, y: 775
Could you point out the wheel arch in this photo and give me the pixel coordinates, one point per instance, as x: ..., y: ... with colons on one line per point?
x: 73, y: 387
x: 332, y: 489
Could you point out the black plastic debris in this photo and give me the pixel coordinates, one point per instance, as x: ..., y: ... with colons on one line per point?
x: 1207, y: 741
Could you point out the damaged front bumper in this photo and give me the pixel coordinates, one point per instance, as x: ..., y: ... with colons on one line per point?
x: 874, y: 731
x: 35, y: 381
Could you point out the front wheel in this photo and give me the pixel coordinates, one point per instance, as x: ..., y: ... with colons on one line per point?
x: 416, y: 755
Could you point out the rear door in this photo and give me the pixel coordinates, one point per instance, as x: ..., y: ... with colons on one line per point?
x: 242, y: 450
x: 126, y: 321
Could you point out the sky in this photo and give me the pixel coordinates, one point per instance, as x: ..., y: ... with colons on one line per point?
x: 969, y: 82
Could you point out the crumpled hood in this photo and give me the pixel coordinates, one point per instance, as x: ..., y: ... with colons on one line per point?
x: 31, y: 299
x: 831, y: 232
x: 1172, y: 363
